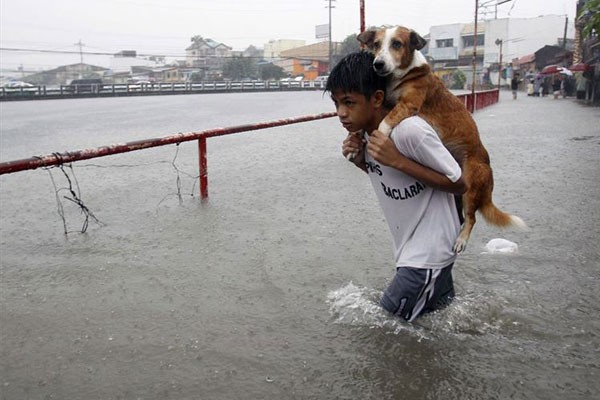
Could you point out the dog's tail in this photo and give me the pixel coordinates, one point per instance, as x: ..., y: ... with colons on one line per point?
x: 495, y: 216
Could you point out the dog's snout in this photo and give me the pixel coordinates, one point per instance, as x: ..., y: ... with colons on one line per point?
x: 378, y: 65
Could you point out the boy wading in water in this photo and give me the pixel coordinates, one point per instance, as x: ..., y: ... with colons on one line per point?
x: 415, y: 179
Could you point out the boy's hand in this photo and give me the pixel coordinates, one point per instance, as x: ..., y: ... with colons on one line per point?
x: 383, y: 150
x: 352, y: 144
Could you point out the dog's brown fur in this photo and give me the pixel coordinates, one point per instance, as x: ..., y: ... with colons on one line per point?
x: 417, y: 91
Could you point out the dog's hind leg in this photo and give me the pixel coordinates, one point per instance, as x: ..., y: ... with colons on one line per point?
x: 465, y: 232
x: 479, y: 179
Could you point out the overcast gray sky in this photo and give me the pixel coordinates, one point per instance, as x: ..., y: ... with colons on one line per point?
x: 166, y: 26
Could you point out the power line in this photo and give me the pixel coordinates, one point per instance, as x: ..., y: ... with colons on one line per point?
x: 98, y: 53
x: 81, y: 52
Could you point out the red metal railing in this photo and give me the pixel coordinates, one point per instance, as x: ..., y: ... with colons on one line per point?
x: 482, y: 99
x: 77, y: 155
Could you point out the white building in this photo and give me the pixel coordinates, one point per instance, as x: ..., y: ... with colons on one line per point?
x: 444, y: 42
x: 523, y: 36
x: 207, y: 56
x: 124, y: 60
x: 451, y: 46
x: 273, y: 48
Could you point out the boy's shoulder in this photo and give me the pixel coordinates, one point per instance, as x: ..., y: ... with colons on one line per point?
x: 414, y: 125
x: 413, y: 132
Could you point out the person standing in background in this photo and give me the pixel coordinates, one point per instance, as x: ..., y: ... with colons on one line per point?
x: 514, y: 85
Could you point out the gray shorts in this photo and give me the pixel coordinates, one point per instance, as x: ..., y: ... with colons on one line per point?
x: 416, y: 291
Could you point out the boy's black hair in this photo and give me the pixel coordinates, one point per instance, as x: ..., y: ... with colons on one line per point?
x: 354, y: 73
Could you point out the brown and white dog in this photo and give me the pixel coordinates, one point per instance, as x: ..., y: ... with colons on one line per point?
x: 415, y: 90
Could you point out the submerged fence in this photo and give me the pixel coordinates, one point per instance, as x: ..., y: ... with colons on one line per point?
x: 481, y: 100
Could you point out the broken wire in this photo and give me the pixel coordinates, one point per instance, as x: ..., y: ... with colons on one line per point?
x: 75, y: 197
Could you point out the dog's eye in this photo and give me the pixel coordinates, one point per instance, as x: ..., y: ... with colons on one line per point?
x: 376, y: 45
x: 396, y: 44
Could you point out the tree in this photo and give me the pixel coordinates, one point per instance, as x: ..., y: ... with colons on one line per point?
x: 270, y: 71
x: 237, y: 68
x: 590, y: 18
x: 196, y: 77
x: 252, y: 51
x: 458, y: 80
x: 349, y: 45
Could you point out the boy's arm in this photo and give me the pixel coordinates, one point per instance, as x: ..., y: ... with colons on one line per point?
x: 384, y: 151
x: 354, y: 143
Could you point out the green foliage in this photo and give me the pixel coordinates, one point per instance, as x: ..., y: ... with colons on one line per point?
x: 237, y: 68
x: 196, y: 77
x: 348, y: 46
x: 270, y: 71
x: 458, y: 80
x: 590, y: 17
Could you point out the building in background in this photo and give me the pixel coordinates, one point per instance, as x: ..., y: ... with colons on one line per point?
x: 65, y: 74
x: 451, y: 46
x: 207, y: 57
x: 587, y: 55
x: 124, y: 60
x: 272, y: 50
x: 307, y: 61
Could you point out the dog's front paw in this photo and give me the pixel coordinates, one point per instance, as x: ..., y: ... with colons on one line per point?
x: 460, y: 245
x: 385, y: 128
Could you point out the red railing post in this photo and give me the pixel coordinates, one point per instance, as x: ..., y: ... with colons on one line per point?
x: 362, y: 16
x: 203, y: 171
x: 470, y: 102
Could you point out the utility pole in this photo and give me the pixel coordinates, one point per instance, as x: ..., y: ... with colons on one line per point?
x: 330, y: 6
x: 362, y: 16
x: 80, y: 58
x: 499, y: 43
x: 564, y: 44
x: 474, y: 58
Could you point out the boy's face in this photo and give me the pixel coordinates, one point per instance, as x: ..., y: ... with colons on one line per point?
x: 355, y: 111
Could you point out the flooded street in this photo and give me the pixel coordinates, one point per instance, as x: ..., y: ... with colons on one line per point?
x: 268, y: 290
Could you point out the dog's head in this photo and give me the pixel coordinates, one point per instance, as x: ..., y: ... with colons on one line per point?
x: 395, y: 49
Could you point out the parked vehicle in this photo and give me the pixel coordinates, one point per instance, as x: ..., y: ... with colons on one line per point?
x: 19, y: 88
x: 18, y: 84
x: 90, y: 85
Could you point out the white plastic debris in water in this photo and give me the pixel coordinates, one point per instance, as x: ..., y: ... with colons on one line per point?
x: 501, y: 246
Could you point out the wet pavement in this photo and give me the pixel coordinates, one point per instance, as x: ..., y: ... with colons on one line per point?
x: 268, y: 290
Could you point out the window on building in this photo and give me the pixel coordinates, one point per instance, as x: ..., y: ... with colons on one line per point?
x: 468, y: 40
x: 444, y: 43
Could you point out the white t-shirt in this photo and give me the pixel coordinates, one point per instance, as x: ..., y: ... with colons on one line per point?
x: 423, y: 221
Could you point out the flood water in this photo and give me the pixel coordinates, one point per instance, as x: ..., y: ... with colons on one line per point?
x: 268, y: 290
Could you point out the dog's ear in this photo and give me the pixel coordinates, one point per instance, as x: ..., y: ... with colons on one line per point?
x: 416, y: 41
x: 367, y: 37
